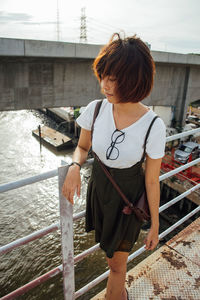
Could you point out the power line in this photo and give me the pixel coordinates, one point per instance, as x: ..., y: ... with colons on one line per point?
x: 83, y: 29
x: 102, y: 24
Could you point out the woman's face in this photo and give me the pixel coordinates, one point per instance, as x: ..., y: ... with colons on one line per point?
x: 108, y: 87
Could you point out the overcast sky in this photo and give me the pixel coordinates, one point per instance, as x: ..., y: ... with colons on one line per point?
x: 168, y: 25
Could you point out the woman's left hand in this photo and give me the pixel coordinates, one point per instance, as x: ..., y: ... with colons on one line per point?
x: 151, y: 240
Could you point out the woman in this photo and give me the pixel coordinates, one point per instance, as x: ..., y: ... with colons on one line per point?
x: 125, y: 70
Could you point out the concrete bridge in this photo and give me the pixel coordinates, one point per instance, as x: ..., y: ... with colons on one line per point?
x: 37, y: 74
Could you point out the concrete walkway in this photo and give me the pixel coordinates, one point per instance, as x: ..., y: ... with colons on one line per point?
x: 170, y: 273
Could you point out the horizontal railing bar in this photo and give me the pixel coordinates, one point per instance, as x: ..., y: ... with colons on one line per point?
x: 42, y: 232
x: 182, y: 134
x: 168, y: 139
x: 23, y: 182
x: 79, y: 215
x: 184, y: 177
x: 20, y: 183
x: 91, y: 284
x: 85, y: 253
x: 48, y: 275
x: 103, y: 276
x: 163, y: 207
x: 164, y: 233
x: 136, y: 253
x: 79, y: 257
x: 30, y: 180
x: 179, y: 169
x: 29, y: 238
x: 89, y: 161
x: 54, y: 272
x: 54, y: 227
x: 35, y: 235
x: 178, y: 198
x: 27, y: 287
x: 193, y: 212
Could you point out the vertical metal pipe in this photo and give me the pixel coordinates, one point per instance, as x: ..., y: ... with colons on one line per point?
x: 66, y: 223
x: 184, y: 99
x: 40, y: 137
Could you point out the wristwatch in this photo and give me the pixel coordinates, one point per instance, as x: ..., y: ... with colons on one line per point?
x: 74, y: 163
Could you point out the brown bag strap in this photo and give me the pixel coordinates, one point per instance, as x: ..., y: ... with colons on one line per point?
x: 96, y: 112
x: 107, y: 173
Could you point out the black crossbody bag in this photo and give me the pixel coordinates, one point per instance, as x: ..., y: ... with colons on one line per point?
x: 141, y: 207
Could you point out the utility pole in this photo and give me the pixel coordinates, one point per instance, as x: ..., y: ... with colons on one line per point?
x: 58, y: 22
x: 83, y: 29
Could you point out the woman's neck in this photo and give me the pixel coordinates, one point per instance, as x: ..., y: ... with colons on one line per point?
x: 125, y: 114
x: 129, y: 108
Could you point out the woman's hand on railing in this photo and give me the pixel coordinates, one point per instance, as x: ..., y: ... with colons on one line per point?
x: 72, y: 183
x: 152, y: 238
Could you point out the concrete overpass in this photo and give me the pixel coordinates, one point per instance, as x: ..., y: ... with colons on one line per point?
x: 37, y: 74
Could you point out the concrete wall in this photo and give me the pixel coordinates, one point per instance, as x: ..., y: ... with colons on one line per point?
x: 171, y: 89
x: 36, y: 83
x: 36, y: 48
x: 165, y: 112
x: 36, y: 74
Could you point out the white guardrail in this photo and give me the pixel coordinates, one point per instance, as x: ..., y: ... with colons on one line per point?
x: 66, y: 225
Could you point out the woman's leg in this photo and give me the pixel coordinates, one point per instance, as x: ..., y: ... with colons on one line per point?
x: 116, y: 280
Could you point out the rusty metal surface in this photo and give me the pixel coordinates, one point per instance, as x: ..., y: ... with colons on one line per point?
x: 170, y: 273
x: 165, y: 275
x: 187, y: 242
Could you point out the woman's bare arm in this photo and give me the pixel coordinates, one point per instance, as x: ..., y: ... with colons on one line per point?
x: 152, y: 172
x: 84, y: 144
x: 72, y: 182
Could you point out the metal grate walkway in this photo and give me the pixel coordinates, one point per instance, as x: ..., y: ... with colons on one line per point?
x: 170, y: 273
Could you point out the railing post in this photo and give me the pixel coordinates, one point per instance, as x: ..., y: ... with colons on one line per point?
x: 66, y: 223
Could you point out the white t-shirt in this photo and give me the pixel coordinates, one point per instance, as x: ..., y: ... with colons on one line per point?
x: 129, y: 147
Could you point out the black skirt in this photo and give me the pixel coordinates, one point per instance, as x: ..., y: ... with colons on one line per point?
x: 114, y: 230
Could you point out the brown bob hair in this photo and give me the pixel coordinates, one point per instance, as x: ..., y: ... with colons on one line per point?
x: 130, y: 62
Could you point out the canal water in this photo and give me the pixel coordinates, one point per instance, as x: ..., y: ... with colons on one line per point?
x: 34, y: 207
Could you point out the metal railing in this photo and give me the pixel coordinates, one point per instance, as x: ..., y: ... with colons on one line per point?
x: 66, y: 225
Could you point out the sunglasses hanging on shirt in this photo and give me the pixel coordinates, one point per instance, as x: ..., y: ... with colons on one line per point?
x: 117, y: 137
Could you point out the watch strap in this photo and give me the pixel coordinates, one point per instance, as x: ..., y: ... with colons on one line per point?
x: 74, y: 163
